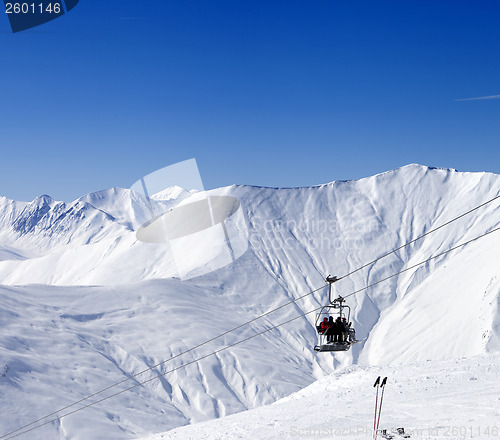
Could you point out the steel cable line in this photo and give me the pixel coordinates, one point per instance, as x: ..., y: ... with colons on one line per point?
x: 258, y: 317
x: 9, y: 436
x: 267, y: 313
x: 421, y: 236
x: 160, y: 375
x: 425, y: 261
x: 164, y: 362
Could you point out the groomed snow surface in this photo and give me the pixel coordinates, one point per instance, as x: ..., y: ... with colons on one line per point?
x: 430, y: 400
x: 84, y: 305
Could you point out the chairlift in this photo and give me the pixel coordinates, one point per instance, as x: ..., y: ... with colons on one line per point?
x: 335, y: 309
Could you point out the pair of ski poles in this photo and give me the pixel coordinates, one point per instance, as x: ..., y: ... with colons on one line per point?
x: 376, y: 418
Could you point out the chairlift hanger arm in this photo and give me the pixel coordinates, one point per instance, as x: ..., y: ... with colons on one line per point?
x: 330, y: 280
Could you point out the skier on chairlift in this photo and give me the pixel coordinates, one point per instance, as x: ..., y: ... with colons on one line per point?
x: 340, y: 329
x: 323, y: 327
x: 345, y: 330
x: 333, y: 331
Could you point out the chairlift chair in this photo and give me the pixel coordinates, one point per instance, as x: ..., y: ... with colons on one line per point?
x: 336, y: 308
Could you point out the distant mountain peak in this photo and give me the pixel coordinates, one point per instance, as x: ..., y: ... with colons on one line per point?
x: 172, y: 192
x: 43, y: 199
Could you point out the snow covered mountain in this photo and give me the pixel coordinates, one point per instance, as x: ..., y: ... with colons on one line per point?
x: 83, y: 304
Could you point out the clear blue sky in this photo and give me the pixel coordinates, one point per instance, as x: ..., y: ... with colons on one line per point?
x: 261, y: 92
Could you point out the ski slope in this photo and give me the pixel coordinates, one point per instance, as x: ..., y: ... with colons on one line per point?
x: 84, y: 305
x: 431, y: 400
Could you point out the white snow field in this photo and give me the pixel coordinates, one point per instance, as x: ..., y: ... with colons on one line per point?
x: 457, y: 399
x: 84, y: 305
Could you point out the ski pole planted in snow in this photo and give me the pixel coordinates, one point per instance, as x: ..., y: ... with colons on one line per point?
x: 382, y: 385
x: 376, y: 384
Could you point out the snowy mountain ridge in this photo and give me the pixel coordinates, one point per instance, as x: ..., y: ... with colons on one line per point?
x: 99, y: 301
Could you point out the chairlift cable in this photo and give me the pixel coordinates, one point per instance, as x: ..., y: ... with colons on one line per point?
x: 420, y: 237
x: 153, y: 378
x: 9, y: 436
x: 425, y: 261
x: 165, y: 361
x: 6, y: 436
